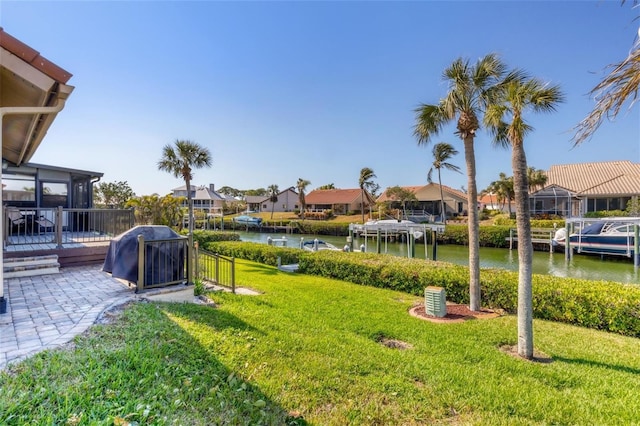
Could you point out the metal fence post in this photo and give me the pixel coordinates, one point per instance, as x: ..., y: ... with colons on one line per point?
x: 59, y: 226
x: 217, y: 273
x: 233, y: 275
x: 190, y: 259
x: 196, y: 259
x: 140, y: 263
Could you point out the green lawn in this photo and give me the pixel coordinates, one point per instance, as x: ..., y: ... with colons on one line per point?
x: 308, y: 351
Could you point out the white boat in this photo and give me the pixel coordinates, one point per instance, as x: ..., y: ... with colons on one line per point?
x: 615, y: 236
x: 318, y: 245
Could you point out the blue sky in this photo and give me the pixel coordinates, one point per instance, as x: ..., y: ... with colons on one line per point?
x: 315, y: 90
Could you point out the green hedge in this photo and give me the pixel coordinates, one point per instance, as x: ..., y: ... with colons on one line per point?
x: 600, y: 305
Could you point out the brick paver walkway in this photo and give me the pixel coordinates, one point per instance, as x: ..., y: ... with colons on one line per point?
x: 47, y: 311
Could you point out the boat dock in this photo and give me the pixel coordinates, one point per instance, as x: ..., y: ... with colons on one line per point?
x: 539, y: 236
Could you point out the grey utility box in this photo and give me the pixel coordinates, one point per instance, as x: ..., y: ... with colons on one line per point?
x: 435, y: 301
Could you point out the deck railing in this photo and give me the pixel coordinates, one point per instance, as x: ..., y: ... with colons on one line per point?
x: 60, y: 226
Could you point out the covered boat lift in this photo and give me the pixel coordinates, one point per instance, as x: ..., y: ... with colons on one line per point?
x: 387, y: 230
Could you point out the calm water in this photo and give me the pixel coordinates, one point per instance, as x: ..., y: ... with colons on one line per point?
x: 581, y: 266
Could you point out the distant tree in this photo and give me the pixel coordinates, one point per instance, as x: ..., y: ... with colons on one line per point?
x: 402, y: 195
x: 113, y: 194
x: 365, y: 182
x: 442, y: 153
x: 155, y: 210
x: 301, y: 186
x: 180, y: 160
x: 273, y: 196
x: 520, y: 94
x: 503, y: 189
x: 260, y: 192
x: 327, y: 186
x: 633, y: 207
x: 230, y: 192
x: 471, y: 89
x: 537, y: 179
x: 613, y: 92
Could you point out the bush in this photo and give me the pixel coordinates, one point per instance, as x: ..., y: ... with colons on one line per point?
x: 203, y: 237
x: 600, y: 305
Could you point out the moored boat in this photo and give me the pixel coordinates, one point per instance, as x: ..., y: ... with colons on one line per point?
x: 612, y: 236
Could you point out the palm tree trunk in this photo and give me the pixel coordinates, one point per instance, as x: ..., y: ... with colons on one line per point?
x: 474, y: 226
x: 525, y: 251
x: 443, y: 212
x: 362, y: 203
x: 187, y: 182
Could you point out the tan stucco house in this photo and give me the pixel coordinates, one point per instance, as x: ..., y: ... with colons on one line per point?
x: 575, y: 189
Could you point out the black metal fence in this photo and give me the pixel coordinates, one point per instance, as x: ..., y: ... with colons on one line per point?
x: 163, y: 262
x: 215, y: 268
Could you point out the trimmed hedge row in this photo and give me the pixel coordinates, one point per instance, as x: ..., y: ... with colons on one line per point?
x: 601, y: 305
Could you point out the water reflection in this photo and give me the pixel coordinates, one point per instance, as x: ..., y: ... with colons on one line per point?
x: 580, y: 266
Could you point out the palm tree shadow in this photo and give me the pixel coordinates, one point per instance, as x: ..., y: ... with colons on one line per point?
x: 240, y: 401
x: 580, y: 361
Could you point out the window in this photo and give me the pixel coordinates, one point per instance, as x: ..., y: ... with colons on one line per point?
x: 19, y: 189
x: 54, y: 194
x: 614, y: 204
x: 601, y: 204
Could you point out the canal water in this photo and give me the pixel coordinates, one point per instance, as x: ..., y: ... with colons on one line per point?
x: 581, y: 266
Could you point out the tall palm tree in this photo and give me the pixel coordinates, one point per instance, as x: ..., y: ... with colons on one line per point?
x: 273, y: 196
x: 365, y: 182
x: 471, y: 89
x: 180, y: 160
x: 505, y: 121
x: 301, y: 186
x: 442, y: 153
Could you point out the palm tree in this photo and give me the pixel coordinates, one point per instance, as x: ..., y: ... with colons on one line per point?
x: 471, y: 89
x: 301, y: 186
x: 180, y: 160
x: 365, y: 182
x: 504, y: 190
x: 537, y: 179
x: 403, y: 195
x: 612, y: 93
x: 505, y: 120
x: 442, y: 152
x: 273, y: 196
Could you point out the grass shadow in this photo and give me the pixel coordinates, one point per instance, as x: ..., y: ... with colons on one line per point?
x: 156, y: 362
x: 578, y: 361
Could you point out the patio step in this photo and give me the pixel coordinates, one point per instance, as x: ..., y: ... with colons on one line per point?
x: 30, y: 266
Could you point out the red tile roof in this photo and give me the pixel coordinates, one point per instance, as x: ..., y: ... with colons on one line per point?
x: 333, y: 196
x: 33, y: 57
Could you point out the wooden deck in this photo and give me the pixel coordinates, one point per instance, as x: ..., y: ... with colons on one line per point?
x: 78, y: 248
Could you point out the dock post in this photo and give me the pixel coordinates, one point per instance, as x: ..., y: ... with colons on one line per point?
x: 567, y: 242
x: 378, y: 232
x: 636, y: 244
x: 511, y: 239
x: 434, y: 242
x: 413, y: 245
x: 350, y: 240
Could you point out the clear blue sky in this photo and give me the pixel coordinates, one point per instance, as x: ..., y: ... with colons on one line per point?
x: 315, y: 90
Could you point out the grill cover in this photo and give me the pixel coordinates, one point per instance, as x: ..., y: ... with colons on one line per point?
x: 164, y: 261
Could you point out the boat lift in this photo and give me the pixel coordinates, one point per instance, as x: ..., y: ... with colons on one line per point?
x: 573, y: 224
x: 410, y: 231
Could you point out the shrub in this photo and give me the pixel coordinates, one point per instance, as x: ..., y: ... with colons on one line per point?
x: 600, y: 305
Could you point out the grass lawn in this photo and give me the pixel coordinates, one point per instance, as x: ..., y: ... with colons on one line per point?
x: 308, y: 351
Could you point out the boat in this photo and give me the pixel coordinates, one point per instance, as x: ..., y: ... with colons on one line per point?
x: 318, y: 245
x: 248, y: 220
x: 612, y: 236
